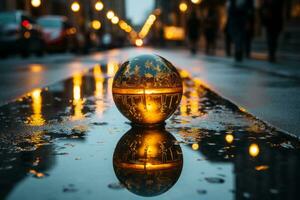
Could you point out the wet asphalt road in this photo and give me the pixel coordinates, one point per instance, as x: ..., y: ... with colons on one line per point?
x: 68, y: 141
x: 270, y: 97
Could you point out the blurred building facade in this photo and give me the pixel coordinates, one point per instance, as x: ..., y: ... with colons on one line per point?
x: 86, y: 13
x: 172, y: 15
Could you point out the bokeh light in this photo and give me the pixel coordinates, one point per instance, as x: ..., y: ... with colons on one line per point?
x: 75, y: 7
x: 99, y: 6
x: 96, y: 24
x: 110, y: 14
x: 36, y: 3
x: 183, y: 7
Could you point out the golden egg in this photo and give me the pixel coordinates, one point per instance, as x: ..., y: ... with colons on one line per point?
x: 148, y: 162
x: 147, y: 89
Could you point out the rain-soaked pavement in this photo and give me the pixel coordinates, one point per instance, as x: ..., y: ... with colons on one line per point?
x: 68, y: 141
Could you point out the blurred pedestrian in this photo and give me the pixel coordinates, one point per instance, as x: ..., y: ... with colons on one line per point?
x: 192, y: 29
x: 228, y: 39
x: 238, y: 13
x: 249, y: 29
x: 211, y: 30
x: 272, y: 18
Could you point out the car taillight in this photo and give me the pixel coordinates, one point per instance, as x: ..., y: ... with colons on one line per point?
x: 26, y: 24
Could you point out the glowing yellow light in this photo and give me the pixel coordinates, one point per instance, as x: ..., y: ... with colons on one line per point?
x: 242, y: 109
x: 174, y: 33
x: 77, y: 101
x: 229, y: 138
x: 115, y: 20
x: 110, y: 14
x: 151, y: 104
x: 184, y: 74
x: 99, y: 6
x: 123, y: 25
x: 96, y: 24
x: 149, y: 145
x: 109, y: 89
x: 36, y: 119
x: 196, y: 1
x: 36, y: 3
x: 35, y: 68
x: 152, y: 18
x: 112, y: 68
x: 147, y: 26
x: 253, y: 150
x: 99, y: 80
x: 139, y: 42
x: 128, y: 29
x: 195, y: 146
x: 183, y: 7
x: 75, y: 6
x: 194, y: 102
x: 261, y: 167
x: 183, y: 106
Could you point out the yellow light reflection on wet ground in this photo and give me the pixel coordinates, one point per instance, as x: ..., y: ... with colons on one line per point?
x: 229, y: 138
x: 36, y: 119
x: 254, y: 150
x: 112, y: 68
x: 99, y: 90
x: 77, y: 100
x: 194, y: 102
x: 109, y: 89
x: 195, y: 146
x: 183, y: 106
x: 35, y: 68
x: 184, y: 74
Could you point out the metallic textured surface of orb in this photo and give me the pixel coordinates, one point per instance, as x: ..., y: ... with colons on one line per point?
x: 147, y: 89
x: 148, y: 162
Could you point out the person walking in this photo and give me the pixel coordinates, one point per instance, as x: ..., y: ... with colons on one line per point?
x: 271, y: 13
x: 249, y: 27
x: 228, y: 39
x: 192, y: 29
x: 211, y: 30
x: 237, y: 24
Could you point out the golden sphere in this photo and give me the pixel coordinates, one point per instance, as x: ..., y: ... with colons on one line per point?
x: 147, y: 89
x: 148, y: 162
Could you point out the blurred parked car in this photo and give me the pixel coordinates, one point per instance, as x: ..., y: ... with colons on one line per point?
x: 60, y: 34
x: 19, y: 33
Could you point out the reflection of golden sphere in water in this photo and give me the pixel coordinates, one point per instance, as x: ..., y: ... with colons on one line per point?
x: 147, y: 89
x: 147, y: 161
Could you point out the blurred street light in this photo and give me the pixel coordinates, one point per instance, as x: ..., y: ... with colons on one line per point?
x: 183, y: 7
x: 75, y: 6
x: 123, y: 25
x: 147, y: 26
x: 110, y: 14
x: 196, y: 1
x: 115, y: 20
x: 96, y: 24
x: 139, y: 42
x: 36, y: 3
x: 99, y: 6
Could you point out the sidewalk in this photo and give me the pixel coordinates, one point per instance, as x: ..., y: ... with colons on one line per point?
x: 259, y: 61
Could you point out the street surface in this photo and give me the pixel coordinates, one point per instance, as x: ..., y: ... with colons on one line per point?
x: 69, y: 141
x: 268, y: 91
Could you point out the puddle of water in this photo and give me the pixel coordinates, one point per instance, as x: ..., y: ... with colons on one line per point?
x: 69, y: 138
